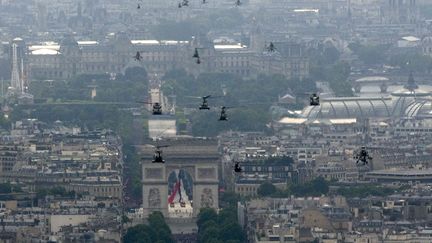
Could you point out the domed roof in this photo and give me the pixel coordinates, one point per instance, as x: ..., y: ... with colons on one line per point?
x: 372, y: 79
x: 419, y: 108
x: 411, y: 93
x: 349, y: 107
x: 17, y: 39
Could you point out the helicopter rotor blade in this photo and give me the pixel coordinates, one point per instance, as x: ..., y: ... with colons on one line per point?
x: 204, y: 97
x: 162, y: 146
x: 230, y: 107
x: 158, y: 136
x: 215, y: 96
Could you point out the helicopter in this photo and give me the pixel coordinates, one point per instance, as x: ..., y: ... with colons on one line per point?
x: 157, y: 157
x: 196, y: 55
x: 139, y: 6
x: 271, y: 47
x: 156, y: 107
x: 184, y: 3
x: 138, y: 56
x: 237, y: 167
x: 237, y: 3
x: 314, y: 100
x: 223, y: 115
x: 204, y: 105
x: 363, y: 156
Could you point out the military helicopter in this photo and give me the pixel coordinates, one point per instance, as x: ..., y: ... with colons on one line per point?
x: 156, y: 107
x: 139, y: 6
x: 271, y: 47
x: 138, y: 56
x: 204, y: 105
x: 238, y: 3
x: 157, y: 157
x: 196, y: 55
x: 314, y: 100
x: 223, y: 115
x: 363, y: 156
x: 184, y: 3
x: 237, y: 167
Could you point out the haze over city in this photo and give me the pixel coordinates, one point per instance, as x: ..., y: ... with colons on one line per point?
x: 210, y: 121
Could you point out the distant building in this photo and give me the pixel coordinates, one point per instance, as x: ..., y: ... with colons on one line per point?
x: 407, y: 176
x: 256, y: 173
x: 400, y: 11
x: 64, y: 60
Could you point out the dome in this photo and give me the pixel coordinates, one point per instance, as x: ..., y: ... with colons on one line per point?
x: 420, y: 108
x: 410, y: 101
x: 410, y: 93
x: 372, y: 79
x: 404, y: 105
x: 350, y: 107
x: 17, y: 40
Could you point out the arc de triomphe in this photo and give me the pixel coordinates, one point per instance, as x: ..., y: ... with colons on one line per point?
x: 198, y: 157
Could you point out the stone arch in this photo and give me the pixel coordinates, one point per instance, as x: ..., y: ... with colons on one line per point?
x: 155, y: 185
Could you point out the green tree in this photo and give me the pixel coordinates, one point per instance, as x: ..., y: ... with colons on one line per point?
x: 206, y: 214
x: 156, y: 231
x: 136, y: 74
x: 140, y: 234
x: 229, y: 199
x: 219, y: 228
x: 336, y: 75
x: 208, y: 235
x: 331, y: 54
x: 231, y: 231
x: 317, y: 187
x: 5, y: 188
x: 372, y: 54
x: 227, y: 215
x: 208, y: 224
x: 320, y: 185
x: 266, y: 189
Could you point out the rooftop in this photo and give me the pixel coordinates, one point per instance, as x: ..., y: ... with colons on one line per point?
x: 230, y: 47
x: 411, y: 172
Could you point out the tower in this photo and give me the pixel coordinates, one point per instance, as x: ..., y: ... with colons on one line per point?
x: 411, y: 85
x: 15, y: 77
x: 257, y: 41
x: 17, y: 85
